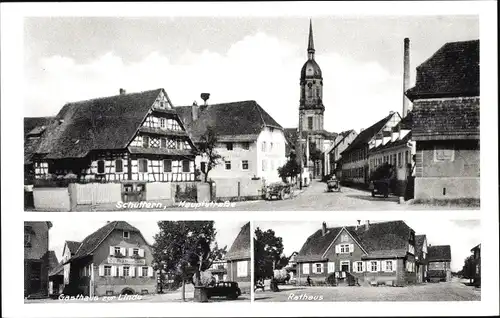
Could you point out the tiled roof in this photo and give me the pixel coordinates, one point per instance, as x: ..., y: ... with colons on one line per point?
x: 367, y: 134
x: 57, y: 270
x: 379, y: 240
x: 446, y: 119
x: 393, y: 144
x: 452, y: 71
x: 241, y: 245
x: 228, y: 119
x: 102, y: 123
x: 73, y: 246
x: 33, y: 129
x: 439, y: 253
x: 91, y: 242
x: 477, y: 247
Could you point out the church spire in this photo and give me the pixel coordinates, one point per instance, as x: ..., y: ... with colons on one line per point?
x: 310, y: 47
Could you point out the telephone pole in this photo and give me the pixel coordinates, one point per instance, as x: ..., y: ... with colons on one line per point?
x: 300, y: 152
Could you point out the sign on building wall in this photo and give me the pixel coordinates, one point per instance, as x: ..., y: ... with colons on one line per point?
x: 127, y: 261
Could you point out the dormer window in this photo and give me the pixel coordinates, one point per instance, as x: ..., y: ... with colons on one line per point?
x: 126, y: 234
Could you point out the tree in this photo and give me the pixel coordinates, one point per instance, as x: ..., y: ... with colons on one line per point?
x: 268, y: 254
x: 206, y: 148
x: 186, y: 248
x: 290, y: 169
x: 314, y: 152
x: 469, y: 268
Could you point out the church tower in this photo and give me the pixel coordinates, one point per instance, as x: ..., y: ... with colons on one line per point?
x: 311, y: 106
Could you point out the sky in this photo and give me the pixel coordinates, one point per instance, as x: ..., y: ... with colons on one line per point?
x: 245, y: 58
x: 461, y: 235
x: 62, y: 231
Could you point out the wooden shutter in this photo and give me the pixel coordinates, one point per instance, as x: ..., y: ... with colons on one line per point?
x: 101, y: 270
x: 383, y: 264
x: 355, y: 267
x: 141, y: 252
x: 394, y: 265
x: 363, y: 266
x: 123, y: 251
x: 337, y: 249
x: 132, y: 271
x: 351, y: 248
x: 113, y: 271
x: 120, y: 271
x: 130, y: 251
x: 111, y: 250
x: 331, y: 267
x: 378, y: 266
x: 150, y: 271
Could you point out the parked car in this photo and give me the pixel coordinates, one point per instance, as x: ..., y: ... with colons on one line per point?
x: 279, y: 190
x: 381, y: 187
x: 333, y: 185
x: 224, y: 289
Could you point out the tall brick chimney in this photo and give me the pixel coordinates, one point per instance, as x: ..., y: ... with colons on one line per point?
x: 406, y: 75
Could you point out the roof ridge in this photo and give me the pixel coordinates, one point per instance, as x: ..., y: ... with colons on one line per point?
x: 111, y: 96
x: 81, y: 244
x: 260, y: 113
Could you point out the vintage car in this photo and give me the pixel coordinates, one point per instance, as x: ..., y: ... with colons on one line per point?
x: 224, y: 289
x: 333, y: 185
x: 279, y: 190
x: 380, y: 187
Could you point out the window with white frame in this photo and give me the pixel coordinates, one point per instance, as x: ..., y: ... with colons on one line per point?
x: 244, y: 164
x: 163, y: 123
x: 344, y: 238
x: 126, y: 270
x: 107, y: 270
x: 359, y: 267
x: 374, y: 266
x: 242, y: 269
x: 344, y: 248
x: 305, y: 268
x: 135, y: 252
x: 117, y: 250
x: 227, y: 165
x: 318, y: 268
x: 144, y: 271
x: 126, y: 234
x: 388, y: 266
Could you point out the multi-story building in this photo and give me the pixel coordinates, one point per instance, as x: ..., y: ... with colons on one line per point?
x: 36, y: 259
x: 355, y: 162
x: 238, y: 259
x: 333, y: 153
x: 126, y: 137
x: 374, y: 253
x: 439, y: 263
x: 421, y: 257
x: 250, y: 141
x: 114, y: 260
x: 446, y: 123
x: 476, y: 250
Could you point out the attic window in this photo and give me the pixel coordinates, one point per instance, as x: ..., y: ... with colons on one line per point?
x: 126, y: 234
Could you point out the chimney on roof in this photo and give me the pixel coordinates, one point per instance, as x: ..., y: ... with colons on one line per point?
x: 205, y: 97
x: 367, y: 225
x: 323, y: 229
x: 406, y: 75
x: 358, y: 225
x: 194, y: 111
x: 123, y: 91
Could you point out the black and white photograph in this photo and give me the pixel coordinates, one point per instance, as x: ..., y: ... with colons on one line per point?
x: 280, y: 113
x: 145, y: 261
x: 367, y: 260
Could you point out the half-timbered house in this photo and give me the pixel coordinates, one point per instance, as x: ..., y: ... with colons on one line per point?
x: 238, y: 259
x: 421, y: 257
x: 439, y: 260
x: 126, y: 137
x: 371, y: 253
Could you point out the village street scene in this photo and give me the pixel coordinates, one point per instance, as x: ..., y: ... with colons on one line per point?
x: 252, y: 114
x: 145, y: 261
x: 367, y: 260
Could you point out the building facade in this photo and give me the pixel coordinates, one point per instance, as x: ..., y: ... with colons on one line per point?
x: 355, y: 158
x: 476, y: 252
x: 421, y: 257
x: 439, y: 263
x: 446, y: 123
x: 238, y: 259
x: 114, y: 260
x: 333, y: 153
x: 36, y: 259
x: 127, y: 137
x: 250, y: 141
x: 378, y: 253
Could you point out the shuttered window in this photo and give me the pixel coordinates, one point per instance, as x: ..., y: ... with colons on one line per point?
x: 119, y: 165
x: 305, y: 268
x: 331, y: 267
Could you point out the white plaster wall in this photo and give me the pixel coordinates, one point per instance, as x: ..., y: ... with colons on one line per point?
x: 274, y: 157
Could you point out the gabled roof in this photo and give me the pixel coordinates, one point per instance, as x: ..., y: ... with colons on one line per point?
x: 438, y: 119
x: 52, y: 259
x: 439, y: 253
x: 31, y: 123
x: 245, y: 118
x: 57, y: 270
x: 97, y: 124
x: 364, y: 136
x: 477, y: 247
x: 343, y: 136
x: 452, y: 71
x: 384, y: 239
x: 393, y: 144
x: 34, y: 127
x: 73, y: 246
x: 241, y: 245
x: 92, y: 242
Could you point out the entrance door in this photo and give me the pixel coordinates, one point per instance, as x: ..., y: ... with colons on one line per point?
x: 35, y: 274
x: 344, y: 266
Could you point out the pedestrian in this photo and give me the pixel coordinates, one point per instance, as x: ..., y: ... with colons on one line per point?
x: 308, y: 280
